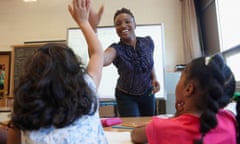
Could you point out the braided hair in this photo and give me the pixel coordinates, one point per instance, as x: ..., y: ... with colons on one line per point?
x: 217, y: 83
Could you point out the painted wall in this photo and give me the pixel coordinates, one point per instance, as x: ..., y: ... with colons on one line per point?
x: 49, y: 19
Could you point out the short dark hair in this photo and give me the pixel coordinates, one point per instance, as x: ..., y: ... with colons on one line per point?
x: 123, y: 10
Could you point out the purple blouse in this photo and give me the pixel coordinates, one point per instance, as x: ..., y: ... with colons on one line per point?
x: 134, y: 66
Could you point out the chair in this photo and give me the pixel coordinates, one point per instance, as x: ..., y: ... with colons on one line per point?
x: 3, y: 135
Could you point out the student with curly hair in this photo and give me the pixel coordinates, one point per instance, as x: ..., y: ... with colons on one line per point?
x: 55, y: 101
x: 205, y: 87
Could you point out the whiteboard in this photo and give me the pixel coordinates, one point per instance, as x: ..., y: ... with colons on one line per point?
x: 107, y: 35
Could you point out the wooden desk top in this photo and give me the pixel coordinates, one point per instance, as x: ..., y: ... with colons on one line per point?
x: 129, y: 121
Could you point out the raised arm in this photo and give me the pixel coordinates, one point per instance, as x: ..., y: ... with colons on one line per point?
x: 80, y: 10
x: 95, y: 17
x: 109, y: 56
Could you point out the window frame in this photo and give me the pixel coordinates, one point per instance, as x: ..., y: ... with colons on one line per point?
x: 226, y: 52
x: 229, y: 53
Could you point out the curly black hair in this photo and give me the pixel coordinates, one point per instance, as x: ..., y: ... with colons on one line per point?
x: 52, y: 90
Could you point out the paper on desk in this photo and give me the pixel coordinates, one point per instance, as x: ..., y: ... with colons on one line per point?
x: 118, y: 137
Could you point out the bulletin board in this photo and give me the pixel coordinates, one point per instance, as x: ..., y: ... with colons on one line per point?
x: 19, y: 55
x: 5, y: 62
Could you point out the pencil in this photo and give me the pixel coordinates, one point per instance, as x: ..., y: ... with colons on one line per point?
x: 122, y: 127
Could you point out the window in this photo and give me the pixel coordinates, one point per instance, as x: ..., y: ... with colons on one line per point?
x: 229, y: 32
x: 229, y: 24
x: 232, y: 57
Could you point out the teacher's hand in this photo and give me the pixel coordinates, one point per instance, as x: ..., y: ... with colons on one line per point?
x: 156, y: 86
x: 95, y: 17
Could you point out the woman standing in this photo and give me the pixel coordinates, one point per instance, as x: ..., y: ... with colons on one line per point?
x: 133, y: 58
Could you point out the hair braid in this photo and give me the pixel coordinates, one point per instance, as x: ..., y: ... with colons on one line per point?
x: 208, y: 118
x: 211, y: 80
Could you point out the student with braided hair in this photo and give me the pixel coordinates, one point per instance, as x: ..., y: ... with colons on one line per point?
x: 206, y: 86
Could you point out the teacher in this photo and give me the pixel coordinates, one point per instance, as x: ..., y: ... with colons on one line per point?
x: 133, y: 58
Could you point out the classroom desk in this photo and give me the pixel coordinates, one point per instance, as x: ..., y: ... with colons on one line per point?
x: 128, y: 121
x: 114, y: 135
x: 123, y: 135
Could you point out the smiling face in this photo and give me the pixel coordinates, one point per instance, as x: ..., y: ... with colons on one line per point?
x: 125, y: 26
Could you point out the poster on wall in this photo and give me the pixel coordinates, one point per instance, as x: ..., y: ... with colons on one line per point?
x: 2, y: 77
x: 5, y: 68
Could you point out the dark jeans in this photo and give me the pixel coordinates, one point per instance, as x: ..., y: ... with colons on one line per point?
x: 134, y: 106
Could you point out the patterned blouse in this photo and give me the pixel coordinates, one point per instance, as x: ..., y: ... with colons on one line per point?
x: 86, y: 130
x: 134, y: 66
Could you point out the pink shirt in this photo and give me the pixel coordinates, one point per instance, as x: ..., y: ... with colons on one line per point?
x: 185, y: 128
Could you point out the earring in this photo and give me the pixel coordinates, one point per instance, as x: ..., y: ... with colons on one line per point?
x: 179, y: 106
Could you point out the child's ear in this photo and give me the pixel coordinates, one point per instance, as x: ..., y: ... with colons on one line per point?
x: 189, y: 89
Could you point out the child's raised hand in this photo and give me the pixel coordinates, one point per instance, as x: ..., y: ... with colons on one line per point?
x: 80, y: 10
